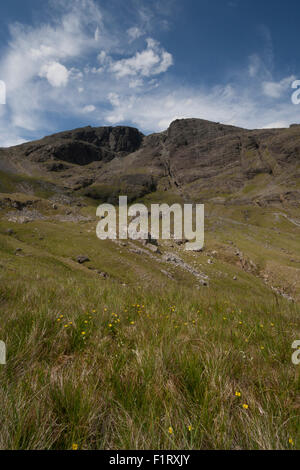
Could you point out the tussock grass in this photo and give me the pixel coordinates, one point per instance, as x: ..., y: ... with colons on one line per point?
x: 142, y: 360
x: 108, y: 367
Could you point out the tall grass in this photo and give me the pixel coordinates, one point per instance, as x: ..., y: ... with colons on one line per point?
x: 110, y: 367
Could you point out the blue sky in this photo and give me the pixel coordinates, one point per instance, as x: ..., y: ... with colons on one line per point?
x: 71, y: 63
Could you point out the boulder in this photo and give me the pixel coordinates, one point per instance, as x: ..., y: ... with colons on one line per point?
x: 81, y: 259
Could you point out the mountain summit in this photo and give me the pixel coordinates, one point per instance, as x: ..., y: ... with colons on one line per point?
x: 194, y: 159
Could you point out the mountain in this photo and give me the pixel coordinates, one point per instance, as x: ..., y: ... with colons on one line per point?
x: 194, y: 160
x: 126, y: 344
x: 247, y: 179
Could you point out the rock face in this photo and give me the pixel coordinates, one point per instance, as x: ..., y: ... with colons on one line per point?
x: 195, y: 159
x: 84, y: 146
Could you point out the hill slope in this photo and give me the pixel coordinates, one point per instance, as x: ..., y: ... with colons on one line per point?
x: 138, y: 339
x: 194, y: 158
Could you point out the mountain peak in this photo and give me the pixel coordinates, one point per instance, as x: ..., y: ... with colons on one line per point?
x: 194, y: 159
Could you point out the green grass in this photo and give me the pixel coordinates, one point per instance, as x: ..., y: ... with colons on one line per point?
x: 111, y: 366
x: 13, y: 183
x: 144, y: 364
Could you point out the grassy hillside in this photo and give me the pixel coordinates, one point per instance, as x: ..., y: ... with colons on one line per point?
x: 146, y: 358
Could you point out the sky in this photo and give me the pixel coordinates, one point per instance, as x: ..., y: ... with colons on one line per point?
x: 145, y: 63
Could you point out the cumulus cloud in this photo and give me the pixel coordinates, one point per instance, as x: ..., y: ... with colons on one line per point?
x: 44, y: 51
x: 56, y: 74
x: 54, y: 67
x: 153, y: 60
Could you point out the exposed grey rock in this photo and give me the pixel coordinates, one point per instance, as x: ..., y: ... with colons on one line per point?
x: 153, y: 248
x: 166, y: 273
x: 149, y: 239
x: 82, y: 259
x: 24, y: 216
x: 103, y: 274
x: 177, y: 261
x: 73, y: 217
x: 171, y: 258
x: 202, y: 283
x: 183, y: 241
x: 137, y: 251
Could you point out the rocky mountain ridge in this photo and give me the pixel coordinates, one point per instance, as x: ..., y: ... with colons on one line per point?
x: 193, y: 159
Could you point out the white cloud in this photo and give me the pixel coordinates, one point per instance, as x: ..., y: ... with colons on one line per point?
x: 277, y: 125
x: 277, y: 89
x: 99, y: 71
x: 134, y: 33
x: 234, y: 105
x: 102, y: 57
x: 56, y: 74
x: 97, y: 34
x: 89, y: 108
x: 151, y: 61
x: 11, y: 141
x: 114, y: 99
x: 64, y: 52
x: 48, y: 50
x: 136, y: 83
x: 254, y: 65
